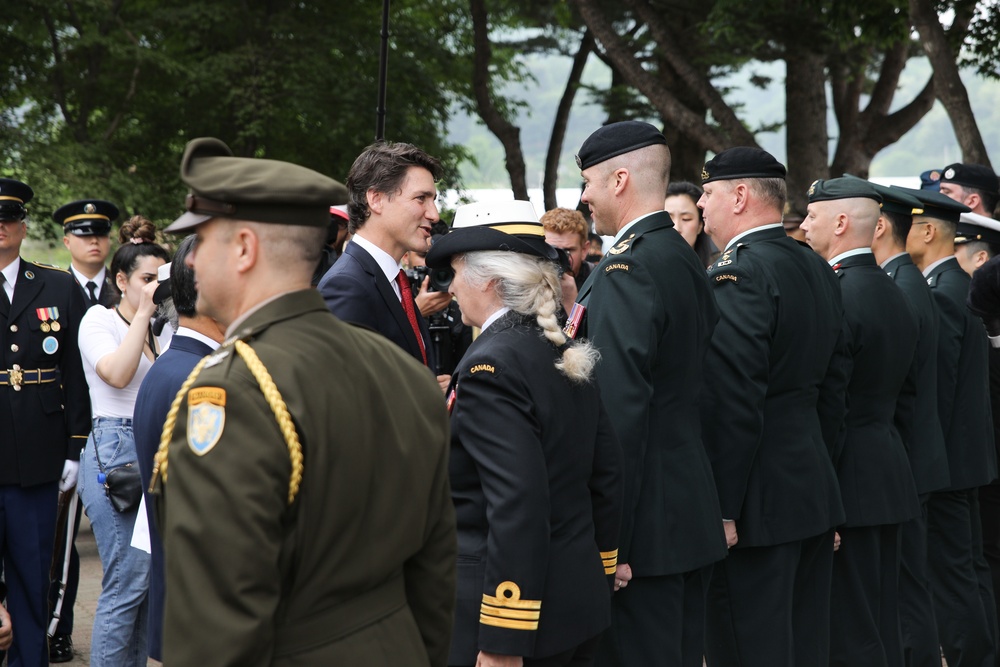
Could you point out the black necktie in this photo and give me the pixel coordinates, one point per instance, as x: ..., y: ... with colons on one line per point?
x: 93, y: 295
x: 3, y: 290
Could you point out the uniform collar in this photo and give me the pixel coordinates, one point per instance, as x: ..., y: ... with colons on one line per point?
x: 754, y: 230
x: 624, y: 230
x: 854, y: 252
x: 10, y: 272
x: 892, y: 259
x: 927, y: 272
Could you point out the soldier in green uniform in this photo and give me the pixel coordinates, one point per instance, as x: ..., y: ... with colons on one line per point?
x: 650, y: 311
x: 771, y: 417
x: 876, y: 484
x: 303, y: 476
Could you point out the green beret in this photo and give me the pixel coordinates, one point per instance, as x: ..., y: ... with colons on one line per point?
x: 258, y: 190
x: 935, y: 204
x: 975, y: 176
x: 86, y: 217
x: 617, y: 139
x: 842, y: 188
x: 742, y: 162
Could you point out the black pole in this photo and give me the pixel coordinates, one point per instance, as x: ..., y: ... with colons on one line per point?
x: 383, y: 62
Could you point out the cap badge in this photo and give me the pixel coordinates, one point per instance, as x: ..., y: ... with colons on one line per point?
x: 90, y: 208
x: 579, y: 162
x: 949, y: 174
x: 812, y: 188
x: 704, y: 174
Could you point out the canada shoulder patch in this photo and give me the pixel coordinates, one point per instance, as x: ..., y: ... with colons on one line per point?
x: 617, y: 266
x: 206, y: 418
x: 483, y: 368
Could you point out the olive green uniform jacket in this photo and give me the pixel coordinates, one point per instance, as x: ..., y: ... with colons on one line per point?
x: 360, y: 568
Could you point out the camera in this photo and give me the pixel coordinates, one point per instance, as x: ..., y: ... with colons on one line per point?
x: 440, y: 278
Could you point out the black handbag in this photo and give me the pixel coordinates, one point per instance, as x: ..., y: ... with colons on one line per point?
x: 122, y: 485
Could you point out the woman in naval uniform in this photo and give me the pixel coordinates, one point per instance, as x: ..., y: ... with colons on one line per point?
x: 535, y: 467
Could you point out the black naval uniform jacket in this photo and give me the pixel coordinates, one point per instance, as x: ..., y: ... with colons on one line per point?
x: 536, y: 480
x: 876, y: 484
x: 918, y: 422
x: 43, y: 424
x: 963, y: 381
x: 774, y: 407
x: 650, y: 312
x: 106, y: 298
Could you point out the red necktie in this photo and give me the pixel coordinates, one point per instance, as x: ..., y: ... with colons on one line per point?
x: 411, y: 312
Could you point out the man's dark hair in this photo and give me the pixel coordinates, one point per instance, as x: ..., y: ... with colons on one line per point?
x: 992, y: 249
x: 990, y: 199
x: 382, y: 167
x: 182, y: 279
x: 899, y: 224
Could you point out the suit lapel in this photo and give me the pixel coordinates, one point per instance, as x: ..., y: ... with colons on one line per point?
x: 388, y: 295
x: 25, y: 290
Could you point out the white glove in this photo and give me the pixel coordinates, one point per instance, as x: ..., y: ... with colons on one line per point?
x: 68, y: 480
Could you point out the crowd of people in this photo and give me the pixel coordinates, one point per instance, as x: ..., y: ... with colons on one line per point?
x: 331, y: 431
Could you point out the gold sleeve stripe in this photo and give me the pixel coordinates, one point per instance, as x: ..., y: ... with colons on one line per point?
x: 508, y: 624
x: 513, y: 601
x: 609, y: 554
x: 610, y: 569
x: 527, y: 615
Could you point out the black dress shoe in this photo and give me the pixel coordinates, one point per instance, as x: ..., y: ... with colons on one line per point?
x: 60, y: 648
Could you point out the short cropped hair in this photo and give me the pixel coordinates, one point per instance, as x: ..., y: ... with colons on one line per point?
x: 562, y: 220
x: 382, y: 167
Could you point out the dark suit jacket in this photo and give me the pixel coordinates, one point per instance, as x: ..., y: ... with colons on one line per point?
x: 42, y: 425
x: 651, y: 313
x: 152, y: 403
x: 360, y: 569
x: 963, y: 381
x: 355, y: 290
x: 876, y: 484
x: 918, y: 422
x: 536, y: 479
x: 775, y: 403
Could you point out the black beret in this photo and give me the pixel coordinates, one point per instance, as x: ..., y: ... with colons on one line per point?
x: 972, y: 175
x: 13, y: 196
x: 935, y: 205
x: 894, y: 200
x: 252, y: 189
x: 742, y: 162
x: 617, y: 139
x: 842, y: 188
x: 975, y: 227
x: 86, y: 217
x: 511, y: 226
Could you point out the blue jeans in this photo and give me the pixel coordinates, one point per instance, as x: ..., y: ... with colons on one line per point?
x: 119, y: 636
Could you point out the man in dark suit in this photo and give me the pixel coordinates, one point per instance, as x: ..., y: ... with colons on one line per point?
x: 918, y: 425
x: 772, y: 415
x: 649, y: 310
x: 322, y: 506
x: 392, y: 208
x: 45, y: 419
x: 876, y: 484
x: 963, y: 595
x: 196, y: 336
x: 86, y: 227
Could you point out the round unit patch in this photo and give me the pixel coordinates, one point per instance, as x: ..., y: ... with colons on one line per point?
x: 50, y: 345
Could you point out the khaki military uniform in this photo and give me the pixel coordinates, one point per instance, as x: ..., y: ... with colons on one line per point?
x: 359, y: 567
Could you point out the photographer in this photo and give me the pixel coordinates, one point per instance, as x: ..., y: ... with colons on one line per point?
x: 450, y: 338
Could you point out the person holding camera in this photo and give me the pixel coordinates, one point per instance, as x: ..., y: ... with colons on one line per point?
x: 118, y: 348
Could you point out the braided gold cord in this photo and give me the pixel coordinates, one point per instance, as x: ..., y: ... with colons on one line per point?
x: 280, y: 410
x: 160, y: 460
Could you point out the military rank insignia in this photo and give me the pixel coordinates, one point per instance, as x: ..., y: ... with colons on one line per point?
x: 574, y: 320
x: 206, y: 418
x: 622, y: 246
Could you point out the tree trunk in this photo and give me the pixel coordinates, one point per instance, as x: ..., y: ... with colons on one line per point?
x: 508, y: 133
x: 948, y: 85
x: 551, y: 178
x: 807, y: 139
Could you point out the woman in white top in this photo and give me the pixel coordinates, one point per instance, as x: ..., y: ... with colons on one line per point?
x: 118, y: 347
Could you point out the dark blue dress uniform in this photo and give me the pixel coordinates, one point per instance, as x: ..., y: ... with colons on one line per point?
x: 45, y: 418
x: 876, y: 483
x: 772, y: 414
x: 920, y: 428
x: 537, y: 491
x: 966, y: 614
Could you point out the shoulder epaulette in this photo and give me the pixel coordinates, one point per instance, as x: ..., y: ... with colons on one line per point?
x: 622, y: 246
x: 726, y: 268
x: 50, y: 267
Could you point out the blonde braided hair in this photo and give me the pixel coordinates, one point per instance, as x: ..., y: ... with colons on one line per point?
x: 274, y: 400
